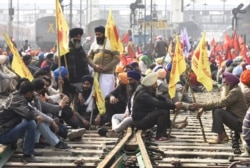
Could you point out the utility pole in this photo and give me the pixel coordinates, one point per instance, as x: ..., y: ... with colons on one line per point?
x: 80, y: 13
x: 18, y: 21
x: 70, y: 14
x: 151, y: 21
x: 11, y: 13
x: 87, y: 12
x: 145, y: 14
x: 224, y: 1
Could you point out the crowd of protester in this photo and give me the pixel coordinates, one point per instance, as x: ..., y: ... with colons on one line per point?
x: 134, y: 86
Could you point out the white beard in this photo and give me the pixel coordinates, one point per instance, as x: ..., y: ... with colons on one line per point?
x: 225, y: 90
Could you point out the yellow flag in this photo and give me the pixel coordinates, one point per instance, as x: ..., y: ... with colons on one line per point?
x: 200, y: 64
x: 100, y: 101
x: 112, y: 34
x: 62, y: 31
x: 178, y: 67
x: 17, y: 64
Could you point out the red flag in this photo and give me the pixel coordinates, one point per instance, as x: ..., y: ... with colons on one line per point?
x: 227, y: 45
x: 212, y: 43
x: 125, y: 38
x: 235, y: 42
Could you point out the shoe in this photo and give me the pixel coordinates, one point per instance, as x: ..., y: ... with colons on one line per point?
x: 30, y: 159
x: 76, y: 133
x: 217, y: 141
x: 102, y: 131
x: 161, y: 139
x: 61, y: 145
x: 108, y: 124
x: 39, y: 146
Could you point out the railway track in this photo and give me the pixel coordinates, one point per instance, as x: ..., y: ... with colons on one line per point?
x: 136, y: 148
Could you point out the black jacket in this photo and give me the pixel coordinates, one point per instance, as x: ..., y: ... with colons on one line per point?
x: 15, y: 109
x: 145, y: 102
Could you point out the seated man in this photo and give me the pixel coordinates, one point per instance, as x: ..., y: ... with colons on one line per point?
x: 245, y: 85
x: 86, y: 105
x: 7, y: 80
x: 122, y: 121
x: 148, y: 110
x: 235, y: 109
x: 116, y: 101
x: 246, y: 133
x: 21, y: 121
x: 53, y: 109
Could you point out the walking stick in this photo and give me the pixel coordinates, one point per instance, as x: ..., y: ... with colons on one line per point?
x: 177, y: 111
x: 198, y: 117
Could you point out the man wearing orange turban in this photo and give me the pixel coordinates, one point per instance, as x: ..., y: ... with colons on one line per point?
x: 245, y: 85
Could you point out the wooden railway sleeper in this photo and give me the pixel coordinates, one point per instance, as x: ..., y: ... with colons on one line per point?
x: 240, y: 163
x: 150, y: 143
x: 176, y: 163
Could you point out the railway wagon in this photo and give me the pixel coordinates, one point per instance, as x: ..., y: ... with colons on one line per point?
x: 46, y: 32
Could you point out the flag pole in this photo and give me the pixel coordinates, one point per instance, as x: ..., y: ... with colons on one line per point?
x: 177, y: 111
x: 58, y: 49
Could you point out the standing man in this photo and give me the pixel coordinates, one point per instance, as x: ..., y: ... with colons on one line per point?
x: 160, y: 47
x: 76, y: 59
x: 26, y: 46
x: 103, y: 60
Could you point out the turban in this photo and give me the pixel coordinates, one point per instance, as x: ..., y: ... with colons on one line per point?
x: 212, y: 59
x: 134, y: 75
x: 159, y: 60
x: 237, y: 70
x: 88, y: 78
x: 123, y: 78
x: 49, y: 55
x: 148, y: 71
x: 100, y: 29
x: 245, y: 77
x: 223, y: 64
x: 161, y: 73
x: 150, y: 79
x: 41, y: 56
x: 63, y: 72
x: 169, y: 67
x: 230, y: 78
x: 248, y: 67
x: 134, y: 64
x: 228, y: 63
x: 75, y: 31
x: 119, y: 69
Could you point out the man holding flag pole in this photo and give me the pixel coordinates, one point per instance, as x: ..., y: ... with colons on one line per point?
x: 103, y: 56
x: 70, y: 49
